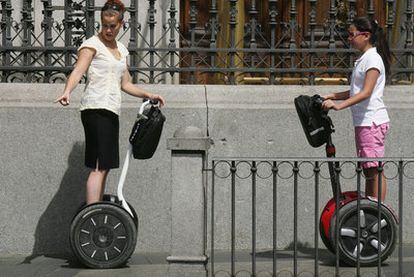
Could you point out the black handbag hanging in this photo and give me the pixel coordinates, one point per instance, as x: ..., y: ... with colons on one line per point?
x: 146, y: 133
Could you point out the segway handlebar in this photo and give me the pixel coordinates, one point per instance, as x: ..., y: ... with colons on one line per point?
x: 318, y: 100
x: 146, y: 102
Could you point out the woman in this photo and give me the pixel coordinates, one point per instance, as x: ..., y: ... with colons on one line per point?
x: 105, y: 61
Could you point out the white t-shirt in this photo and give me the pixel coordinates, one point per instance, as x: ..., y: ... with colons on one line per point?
x: 371, y: 110
x: 104, y: 75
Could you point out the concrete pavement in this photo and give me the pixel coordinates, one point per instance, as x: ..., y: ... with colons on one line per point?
x: 155, y: 265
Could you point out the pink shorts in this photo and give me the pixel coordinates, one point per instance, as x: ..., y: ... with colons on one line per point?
x: 370, y: 142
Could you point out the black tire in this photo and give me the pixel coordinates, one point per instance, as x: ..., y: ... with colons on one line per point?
x: 369, y: 240
x: 114, y: 199
x: 103, y: 235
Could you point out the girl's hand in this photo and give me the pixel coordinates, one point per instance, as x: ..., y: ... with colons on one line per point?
x: 64, y: 99
x: 159, y: 98
x: 329, y: 104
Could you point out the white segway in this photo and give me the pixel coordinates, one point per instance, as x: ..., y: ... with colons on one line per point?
x: 104, y: 234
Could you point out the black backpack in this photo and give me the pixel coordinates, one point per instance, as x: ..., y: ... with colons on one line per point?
x: 315, y: 122
x: 146, y: 133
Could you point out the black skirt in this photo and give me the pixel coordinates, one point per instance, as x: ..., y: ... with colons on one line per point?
x: 101, y: 138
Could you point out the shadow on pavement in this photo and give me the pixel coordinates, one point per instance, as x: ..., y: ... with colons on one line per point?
x: 52, y: 230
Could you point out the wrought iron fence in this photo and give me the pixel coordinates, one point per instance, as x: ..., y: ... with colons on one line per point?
x: 195, y: 51
x: 271, y: 209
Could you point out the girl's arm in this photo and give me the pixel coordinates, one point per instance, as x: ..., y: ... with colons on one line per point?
x: 128, y: 87
x: 366, y: 92
x: 84, y: 60
x: 337, y: 96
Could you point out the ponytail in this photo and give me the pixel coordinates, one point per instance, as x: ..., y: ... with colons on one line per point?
x: 377, y: 39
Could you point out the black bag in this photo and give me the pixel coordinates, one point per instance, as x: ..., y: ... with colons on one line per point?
x: 146, y: 133
x: 315, y: 122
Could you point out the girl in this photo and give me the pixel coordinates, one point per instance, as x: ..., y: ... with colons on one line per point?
x: 105, y: 61
x: 369, y: 114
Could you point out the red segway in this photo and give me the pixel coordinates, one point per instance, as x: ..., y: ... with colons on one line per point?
x: 377, y: 238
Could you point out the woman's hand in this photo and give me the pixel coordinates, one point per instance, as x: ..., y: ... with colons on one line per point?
x: 329, y: 104
x: 158, y: 98
x: 64, y: 99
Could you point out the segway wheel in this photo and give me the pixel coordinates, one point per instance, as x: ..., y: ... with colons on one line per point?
x: 369, y: 240
x: 114, y: 199
x: 103, y: 235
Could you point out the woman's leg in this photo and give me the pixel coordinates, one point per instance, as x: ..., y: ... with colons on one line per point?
x: 372, y: 185
x: 95, y: 185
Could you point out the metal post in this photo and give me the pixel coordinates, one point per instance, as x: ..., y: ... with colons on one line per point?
x: 380, y: 170
x: 295, y: 218
x: 293, y: 28
x: 316, y: 171
x: 68, y: 24
x: 359, y: 173
x: 27, y: 23
x: 193, y: 25
x: 390, y: 18
x: 332, y: 23
x: 273, y: 24
x: 253, y: 170
x: 212, y: 260
x: 90, y: 18
x: 172, y: 22
x: 253, y: 28
x: 214, y: 28
x: 351, y: 16
x: 400, y: 217
x: 6, y: 23
x: 232, y: 51
x: 312, y: 25
x: 274, y: 174
x: 233, y: 170
x: 152, y: 52
x: 133, y: 39
x: 408, y: 34
x: 48, y: 38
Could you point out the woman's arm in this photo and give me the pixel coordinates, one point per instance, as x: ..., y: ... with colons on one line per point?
x: 84, y: 60
x: 366, y: 92
x: 128, y: 87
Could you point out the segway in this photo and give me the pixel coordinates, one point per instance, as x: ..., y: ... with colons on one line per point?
x: 104, y: 234
x: 375, y: 242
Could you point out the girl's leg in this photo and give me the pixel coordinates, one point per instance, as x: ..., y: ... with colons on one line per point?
x: 372, y: 185
x: 95, y: 185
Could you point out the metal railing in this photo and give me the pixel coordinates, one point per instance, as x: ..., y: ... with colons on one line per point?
x: 271, y: 208
x: 201, y: 52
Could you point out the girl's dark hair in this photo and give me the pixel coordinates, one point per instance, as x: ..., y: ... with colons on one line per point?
x: 113, y: 6
x: 378, y: 39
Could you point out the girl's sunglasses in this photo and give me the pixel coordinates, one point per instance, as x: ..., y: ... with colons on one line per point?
x: 355, y: 34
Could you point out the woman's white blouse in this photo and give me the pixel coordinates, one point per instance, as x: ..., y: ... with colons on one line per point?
x: 104, y: 75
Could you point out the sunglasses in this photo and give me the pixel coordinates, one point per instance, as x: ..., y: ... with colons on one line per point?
x: 354, y: 35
